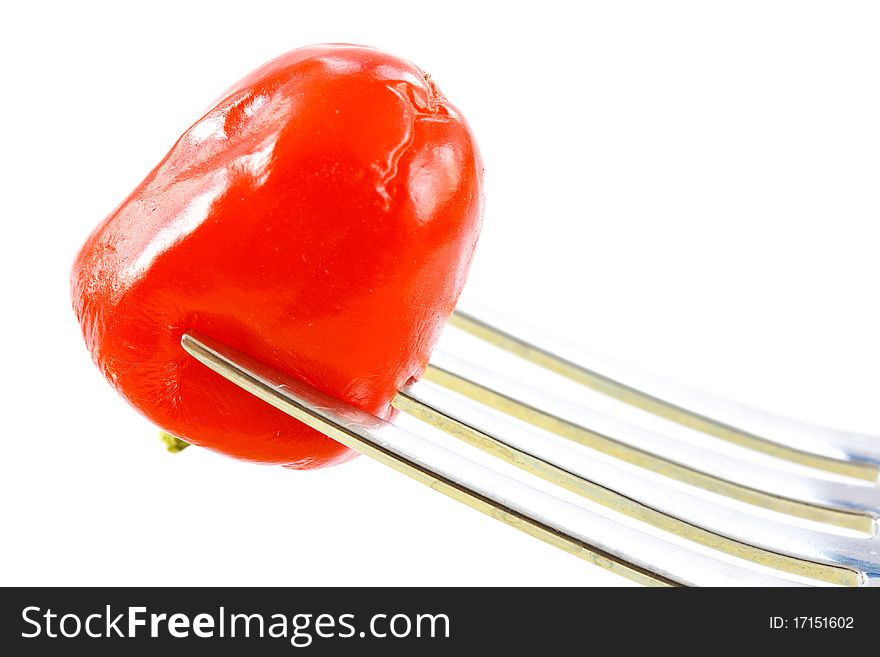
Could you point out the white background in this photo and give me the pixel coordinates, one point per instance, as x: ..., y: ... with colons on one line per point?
x: 688, y: 186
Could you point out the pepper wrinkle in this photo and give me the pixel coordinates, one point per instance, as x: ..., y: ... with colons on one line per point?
x: 388, y: 168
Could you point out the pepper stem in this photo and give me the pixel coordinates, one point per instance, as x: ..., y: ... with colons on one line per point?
x: 172, y: 443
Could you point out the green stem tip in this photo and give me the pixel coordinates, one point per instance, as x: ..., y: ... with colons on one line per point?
x: 173, y: 443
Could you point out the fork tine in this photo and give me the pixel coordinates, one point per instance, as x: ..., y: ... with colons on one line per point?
x: 853, y: 506
x: 841, y: 452
x: 805, y: 552
x: 622, y: 549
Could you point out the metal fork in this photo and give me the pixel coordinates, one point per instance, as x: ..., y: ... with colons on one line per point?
x: 788, y: 504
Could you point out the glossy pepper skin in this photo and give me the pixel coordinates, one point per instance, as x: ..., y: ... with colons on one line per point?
x: 321, y: 217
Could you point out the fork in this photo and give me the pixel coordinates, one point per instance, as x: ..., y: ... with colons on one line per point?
x: 722, y: 495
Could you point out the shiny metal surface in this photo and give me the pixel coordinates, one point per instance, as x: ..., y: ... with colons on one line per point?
x: 846, y: 453
x: 837, y: 559
x: 644, y: 557
x: 855, y: 505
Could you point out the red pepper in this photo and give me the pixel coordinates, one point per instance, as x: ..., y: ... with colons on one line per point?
x: 321, y: 217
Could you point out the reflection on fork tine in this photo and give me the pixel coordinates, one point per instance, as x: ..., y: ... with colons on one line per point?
x: 842, y: 452
x: 685, y: 511
x: 853, y: 505
x: 806, y: 552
